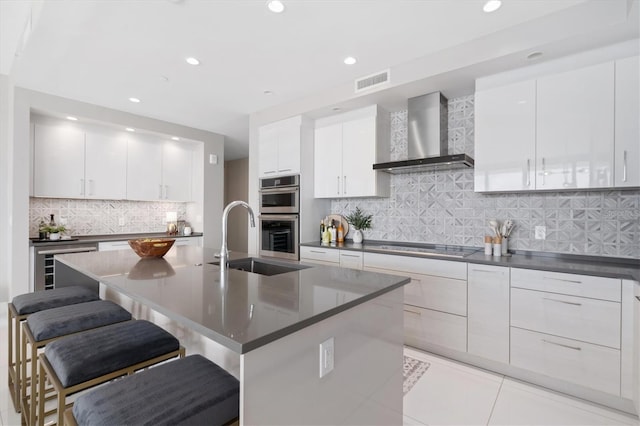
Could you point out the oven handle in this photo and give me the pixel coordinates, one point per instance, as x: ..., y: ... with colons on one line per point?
x: 280, y: 189
x: 279, y: 217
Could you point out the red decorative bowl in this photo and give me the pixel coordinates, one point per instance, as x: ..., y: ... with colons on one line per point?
x: 151, y: 247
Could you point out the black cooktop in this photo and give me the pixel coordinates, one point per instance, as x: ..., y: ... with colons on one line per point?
x: 38, y: 240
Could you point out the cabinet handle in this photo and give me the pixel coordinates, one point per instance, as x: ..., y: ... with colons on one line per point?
x: 344, y: 184
x: 563, y: 301
x: 81, y: 186
x: 269, y: 172
x: 317, y: 251
x: 350, y: 255
x: 284, y: 170
x: 563, y: 280
x: 544, y: 172
x: 528, y: 172
x: 412, y: 312
x: 338, y: 191
x: 575, y: 348
x: 488, y: 272
x: 160, y: 194
x: 624, y: 166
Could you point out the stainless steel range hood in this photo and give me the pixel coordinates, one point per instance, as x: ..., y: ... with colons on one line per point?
x: 428, y: 139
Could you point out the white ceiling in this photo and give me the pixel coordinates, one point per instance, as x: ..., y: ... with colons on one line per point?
x: 104, y: 51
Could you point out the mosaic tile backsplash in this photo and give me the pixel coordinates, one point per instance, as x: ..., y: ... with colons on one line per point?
x: 440, y: 207
x: 99, y: 217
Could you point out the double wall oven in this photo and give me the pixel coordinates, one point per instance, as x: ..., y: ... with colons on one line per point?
x: 279, y: 214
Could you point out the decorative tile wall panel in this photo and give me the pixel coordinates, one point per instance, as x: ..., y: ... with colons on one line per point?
x: 99, y: 217
x: 440, y: 207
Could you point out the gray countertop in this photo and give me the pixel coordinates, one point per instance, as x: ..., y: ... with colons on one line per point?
x: 80, y: 239
x: 575, y: 264
x: 251, y: 310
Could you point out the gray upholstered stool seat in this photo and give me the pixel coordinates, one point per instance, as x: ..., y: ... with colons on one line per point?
x: 189, y: 391
x: 42, y: 328
x: 87, y: 359
x: 20, y: 308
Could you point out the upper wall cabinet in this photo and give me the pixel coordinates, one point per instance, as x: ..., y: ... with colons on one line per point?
x: 570, y: 130
x: 158, y: 170
x: 574, y: 129
x: 627, y: 123
x: 504, y: 161
x: 345, y: 149
x: 72, y: 163
x: 279, y: 148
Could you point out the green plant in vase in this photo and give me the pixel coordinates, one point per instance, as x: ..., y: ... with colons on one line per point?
x: 360, y: 222
x: 55, y: 231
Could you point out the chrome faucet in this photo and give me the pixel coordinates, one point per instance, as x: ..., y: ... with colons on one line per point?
x: 224, y: 252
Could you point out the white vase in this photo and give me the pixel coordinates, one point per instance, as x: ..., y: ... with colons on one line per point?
x: 54, y: 236
x: 357, y: 236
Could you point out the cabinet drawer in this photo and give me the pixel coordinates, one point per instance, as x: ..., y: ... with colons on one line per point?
x: 589, y: 320
x: 593, y: 366
x: 423, y: 327
x: 441, y: 268
x: 351, y: 259
x: 438, y: 293
x: 575, y: 285
x: 325, y: 255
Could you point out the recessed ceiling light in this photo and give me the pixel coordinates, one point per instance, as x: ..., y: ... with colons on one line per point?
x: 534, y: 55
x: 192, y: 61
x: 336, y: 109
x: 350, y: 60
x: 134, y: 100
x: 275, y: 6
x: 129, y: 129
x: 71, y: 118
x: 175, y: 138
x: 492, y: 6
x: 268, y: 92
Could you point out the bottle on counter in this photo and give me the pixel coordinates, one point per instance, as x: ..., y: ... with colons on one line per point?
x: 42, y: 230
x: 321, y: 229
x: 326, y: 237
x: 340, y: 231
x: 52, y: 222
x: 334, y: 233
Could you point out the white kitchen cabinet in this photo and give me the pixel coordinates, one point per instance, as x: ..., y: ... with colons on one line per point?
x: 72, y: 162
x: 424, y: 328
x: 158, y: 170
x: 627, y: 123
x: 571, y: 284
x: 575, y: 128
x: 593, y: 366
x: 105, y: 166
x: 345, y: 149
x: 320, y: 255
x: 351, y: 259
x: 58, y: 170
x: 505, y: 138
x: 488, y: 312
x: 176, y: 171
x: 279, y: 148
x: 636, y: 346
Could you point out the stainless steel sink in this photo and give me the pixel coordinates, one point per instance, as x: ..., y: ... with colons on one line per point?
x: 262, y: 267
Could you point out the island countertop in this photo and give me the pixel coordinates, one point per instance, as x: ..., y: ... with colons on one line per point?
x: 245, y: 312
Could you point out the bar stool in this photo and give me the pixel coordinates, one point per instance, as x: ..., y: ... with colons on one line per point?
x: 189, y: 391
x: 44, y: 327
x: 26, y: 304
x: 87, y: 359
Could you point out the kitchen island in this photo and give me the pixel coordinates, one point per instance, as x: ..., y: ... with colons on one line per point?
x: 273, y: 327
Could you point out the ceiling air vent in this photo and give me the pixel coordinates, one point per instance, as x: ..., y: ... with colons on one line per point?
x: 371, y: 81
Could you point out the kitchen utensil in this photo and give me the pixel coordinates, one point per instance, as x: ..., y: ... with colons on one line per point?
x: 151, y: 247
x: 509, y: 225
x: 493, y: 224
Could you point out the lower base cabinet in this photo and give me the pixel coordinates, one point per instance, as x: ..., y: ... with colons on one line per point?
x: 424, y: 328
x: 593, y: 366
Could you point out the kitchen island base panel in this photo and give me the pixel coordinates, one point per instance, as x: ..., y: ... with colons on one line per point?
x: 365, y: 386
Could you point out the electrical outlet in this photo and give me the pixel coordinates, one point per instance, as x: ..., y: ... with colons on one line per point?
x: 326, y: 357
x: 63, y: 221
x: 541, y: 232
x: 121, y: 221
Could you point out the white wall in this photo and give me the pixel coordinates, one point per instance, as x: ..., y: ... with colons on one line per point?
x: 6, y: 125
x: 15, y: 212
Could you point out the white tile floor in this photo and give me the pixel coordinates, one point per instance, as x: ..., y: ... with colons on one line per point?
x: 449, y: 393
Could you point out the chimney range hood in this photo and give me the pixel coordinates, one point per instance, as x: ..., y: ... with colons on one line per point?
x: 428, y: 139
